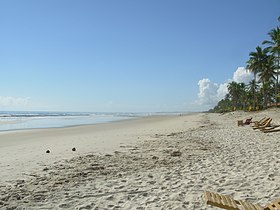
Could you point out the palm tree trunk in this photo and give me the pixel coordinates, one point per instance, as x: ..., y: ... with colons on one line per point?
x: 276, y: 89
x: 255, y: 98
x: 264, y: 96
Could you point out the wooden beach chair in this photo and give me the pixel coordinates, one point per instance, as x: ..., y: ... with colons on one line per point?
x: 271, y: 129
x: 227, y: 202
x: 260, y: 122
x: 266, y: 124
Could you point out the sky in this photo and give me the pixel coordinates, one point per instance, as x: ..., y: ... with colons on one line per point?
x: 126, y: 55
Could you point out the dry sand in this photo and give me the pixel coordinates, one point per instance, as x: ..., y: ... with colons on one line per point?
x: 163, y: 162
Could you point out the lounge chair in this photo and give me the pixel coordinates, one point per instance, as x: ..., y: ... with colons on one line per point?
x: 265, y: 125
x: 260, y: 122
x: 272, y: 129
x: 227, y: 202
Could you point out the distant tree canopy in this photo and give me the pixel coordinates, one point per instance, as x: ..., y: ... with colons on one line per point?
x: 264, y: 89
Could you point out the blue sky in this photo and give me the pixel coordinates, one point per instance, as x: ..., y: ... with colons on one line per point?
x: 124, y: 55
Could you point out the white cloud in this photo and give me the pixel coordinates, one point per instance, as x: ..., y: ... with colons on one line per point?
x: 211, y: 93
x: 207, y: 92
x: 222, y: 91
x: 241, y: 75
x: 8, y: 101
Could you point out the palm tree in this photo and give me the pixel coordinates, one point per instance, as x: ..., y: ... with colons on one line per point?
x: 255, y: 64
x: 252, y: 89
x: 235, y: 91
x: 244, y: 95
x: 223, y: 105
x: 267, y: 76
x: 274, y: 48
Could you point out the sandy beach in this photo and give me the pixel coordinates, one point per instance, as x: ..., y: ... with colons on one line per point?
x: 157, y: 162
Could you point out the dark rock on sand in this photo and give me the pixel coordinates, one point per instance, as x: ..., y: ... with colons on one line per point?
x: 176, y: 153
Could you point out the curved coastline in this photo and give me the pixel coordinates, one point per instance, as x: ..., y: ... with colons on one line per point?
x: 24, y: 149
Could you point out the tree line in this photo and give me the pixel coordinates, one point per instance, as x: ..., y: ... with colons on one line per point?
x: 263, y: 90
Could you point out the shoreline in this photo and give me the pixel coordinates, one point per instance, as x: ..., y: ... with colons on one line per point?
x: 124, y: 118
x: 66, y: 126
x: 93, y: 124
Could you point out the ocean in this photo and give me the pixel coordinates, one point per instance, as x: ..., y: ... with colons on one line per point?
x: 34, y: 120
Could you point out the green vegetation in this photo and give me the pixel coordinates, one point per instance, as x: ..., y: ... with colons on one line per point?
x: 264, y: 90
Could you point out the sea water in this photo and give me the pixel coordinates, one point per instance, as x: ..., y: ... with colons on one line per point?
x: 33, y: 120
